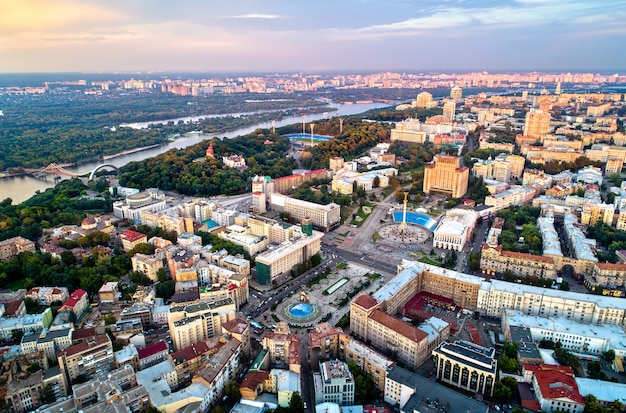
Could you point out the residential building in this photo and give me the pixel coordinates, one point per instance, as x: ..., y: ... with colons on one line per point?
x: 87, y: 359
x: 239, y: 329
x: 130, y: 239
x: 447, y: 175
x: 284, y: 383
x: 283, y: 347
x: 47, y: 295
x: 28, y: 324
x: 274, y: 266
x: 610, y: 276
x: 24, y: 389
x: 109, y: 292
x: 189, y: 324
x: 467, y: 366
x: 556, y: 390
x: 516, y: 195
x: 151, y: 355
x: 12, y: 247
x: 494, y: 260
x: 334, y: 383
x: 324, y: 217
x: 49, y: 341
x: 536, y: 123
x: 147, y: 264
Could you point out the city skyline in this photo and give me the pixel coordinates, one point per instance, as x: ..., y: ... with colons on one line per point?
x: 68, y: 35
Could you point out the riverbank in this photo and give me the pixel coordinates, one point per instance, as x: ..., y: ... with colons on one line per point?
x: 129, y: 151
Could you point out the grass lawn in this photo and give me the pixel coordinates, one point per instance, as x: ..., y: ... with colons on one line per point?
x: 345, y: 213
x: 376, y: 237
x: 362, y: 213
x: 341, y: 265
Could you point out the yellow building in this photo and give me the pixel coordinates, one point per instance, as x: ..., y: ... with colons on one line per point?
x: 495, y: 261
x: 446, y: 175
x: 147, y: 264
x: 536, y: 123
x: 193, y: 323
x: 607, y: 275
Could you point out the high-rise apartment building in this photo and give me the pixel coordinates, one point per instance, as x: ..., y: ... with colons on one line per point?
x: 424, y: 100
x: 537, y: 123
x: 449, y: 109
x: 447, y: 175
x: 456, y: 93
x: 90, y: 358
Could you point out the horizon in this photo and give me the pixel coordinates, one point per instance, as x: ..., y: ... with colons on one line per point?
x: 61, y: 36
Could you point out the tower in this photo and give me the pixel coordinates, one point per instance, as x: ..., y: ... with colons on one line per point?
x: 403, y: 225
x: 449, y: 109
x: 209, y: 151
x: 456, y: 93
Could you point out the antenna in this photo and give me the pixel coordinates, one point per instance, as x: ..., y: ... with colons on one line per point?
x: 273, y: 126
x: 312, y: 125
x: 340, y: 125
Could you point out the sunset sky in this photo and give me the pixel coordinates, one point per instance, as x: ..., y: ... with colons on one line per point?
x: 314, y: 35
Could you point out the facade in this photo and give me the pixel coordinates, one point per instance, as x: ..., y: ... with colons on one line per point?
x: 47, y: 295
x: 283, y: 347
x: 90, y: 358
x: 402, y: 340
x: 494, y: 260
x: 239, y: 329
x: 467, y: 366
x: 516, y: 195
x: 147, y: 264
x: 130, y: 239
x: 536, y: 123
x: 556, y: 390
x: 12, y: 247
x: 455, y: 229
x: 109, y: 292
x: 151, y: 200
x: 48, y: 341
x: 24, y: 390
x: 324, y: 217
x: 447, y: 175
x: 190, y: 324
x: 611, y: 276
x: 334, y: 383
x: 408, y: 131
x: 274, y: 265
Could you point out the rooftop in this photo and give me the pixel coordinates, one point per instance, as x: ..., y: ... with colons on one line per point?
x: 399, y: 326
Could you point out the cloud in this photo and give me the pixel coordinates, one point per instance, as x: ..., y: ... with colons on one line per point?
x: 522, y: 13
x: 256, y: 16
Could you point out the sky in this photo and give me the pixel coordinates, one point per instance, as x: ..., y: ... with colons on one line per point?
x: 312, y: 35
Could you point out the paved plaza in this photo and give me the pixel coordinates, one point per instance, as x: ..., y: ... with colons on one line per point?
x: 324, y: 297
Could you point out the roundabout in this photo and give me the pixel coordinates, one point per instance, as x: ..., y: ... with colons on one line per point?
x: 301, y: 312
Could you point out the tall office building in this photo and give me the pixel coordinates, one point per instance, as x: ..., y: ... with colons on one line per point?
x: 537, y: 123
x: 447, y: 175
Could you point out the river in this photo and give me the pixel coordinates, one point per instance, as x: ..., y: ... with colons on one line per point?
x: 21, y: 188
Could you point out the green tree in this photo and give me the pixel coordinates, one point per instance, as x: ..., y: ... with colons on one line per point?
x: 608, y: 356
x: 109, y: 319
x: 231, y: 390
x: 47, y: 394
x: 296, y: 404
x: 501, y: 393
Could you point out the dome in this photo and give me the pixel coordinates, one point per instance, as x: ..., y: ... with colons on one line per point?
x: 89, y: 223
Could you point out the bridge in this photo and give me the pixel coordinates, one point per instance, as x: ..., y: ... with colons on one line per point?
x: 52, y: 169
x: 57, y: 170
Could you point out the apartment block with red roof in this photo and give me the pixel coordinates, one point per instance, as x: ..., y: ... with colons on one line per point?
x: 556, y: 390
x: 130, y: 239
x: 76, y: 303
x: 152, y: 355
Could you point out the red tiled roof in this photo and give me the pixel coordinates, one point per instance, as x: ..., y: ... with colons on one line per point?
x: 524, y: 256
x: 609, y: 266
x: 554, y: 384
x: 74, y: 298
x: 548, y: 367
x: 254, y: 379
x: 80, y: 347
x: 399, y: 326
x: 236, y: 325
x: 366, y: 301
x: 82, y: 333
x: 152, y: 350
x: 131, y: 235
x: 12, y: 308
x: 193, y: 351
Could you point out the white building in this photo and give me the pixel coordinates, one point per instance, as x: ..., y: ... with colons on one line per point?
x: 573, y: 335
x: 334, y: 383
x: 455, y: 229
x: 517, y: 195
